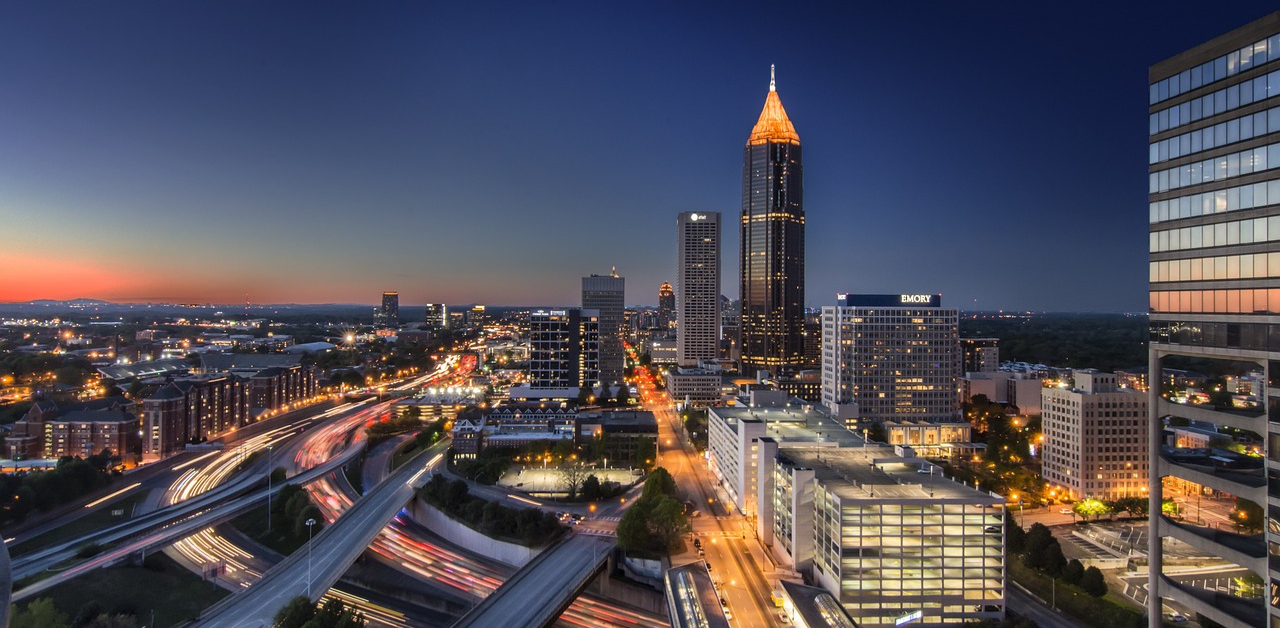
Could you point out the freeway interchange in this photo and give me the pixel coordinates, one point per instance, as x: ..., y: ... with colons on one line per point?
x: 192, y: 495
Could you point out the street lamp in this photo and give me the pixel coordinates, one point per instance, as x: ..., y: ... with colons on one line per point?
x: 310, y: 522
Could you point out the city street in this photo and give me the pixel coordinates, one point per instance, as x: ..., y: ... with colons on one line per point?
x: 737, y: 563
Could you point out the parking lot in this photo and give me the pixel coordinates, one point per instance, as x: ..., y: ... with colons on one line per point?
x: 551, y: 480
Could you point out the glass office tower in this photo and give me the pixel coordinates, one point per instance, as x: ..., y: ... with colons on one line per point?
x: 1214, y: 207
x: 772, y: 246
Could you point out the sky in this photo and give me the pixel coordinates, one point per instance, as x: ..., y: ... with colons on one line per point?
x: 477, y: 152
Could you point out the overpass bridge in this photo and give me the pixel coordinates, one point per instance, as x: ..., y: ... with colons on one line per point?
x: 537, y: 594
x: 179, y: 521
x: 313, y: 570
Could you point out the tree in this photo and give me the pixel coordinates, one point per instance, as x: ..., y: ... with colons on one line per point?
x: 1093, y: 583
x: 300, y: 523
x: 624, y: 394
x: 591, y: 488
x: 297, y: 612
x: 1053, y: 559
x: 1015, y: 537
x: 659, y: 482
x: 584, y: 396
x: 572, y: 475
x: 1169, y: 508
x: 1073, y: 572
x: 646, y: 452
x: 1091, y: 507
x: 1248, y: 516
x: 667, y: 521
x: 633, y: 529
x: 40, y: 613
x: 117, y: 620
x: 1038, y: 537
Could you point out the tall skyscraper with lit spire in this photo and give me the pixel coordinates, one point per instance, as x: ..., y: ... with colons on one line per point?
x: 772, y: 244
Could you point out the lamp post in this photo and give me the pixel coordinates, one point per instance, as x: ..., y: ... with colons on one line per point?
x: 310, y: 522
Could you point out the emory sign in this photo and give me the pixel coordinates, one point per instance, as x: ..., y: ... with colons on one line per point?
x: 916, y: 298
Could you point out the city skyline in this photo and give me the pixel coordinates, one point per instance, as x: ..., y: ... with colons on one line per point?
x: 310, y: 162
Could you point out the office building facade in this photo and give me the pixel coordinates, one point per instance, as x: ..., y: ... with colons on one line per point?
x: 606, y: 295
x: 564, y: 348
x: 697, y: 287
x: 1214, y: 214
x: 897, y: 356
x: 981, y: 355
x: 666, y: 306
x: 1095, y: 438
x: 882, y: 538
x: 772, y: 243
x: 388, y: 314
x: 437, y: 316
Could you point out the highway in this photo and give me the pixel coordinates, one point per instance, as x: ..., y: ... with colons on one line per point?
x: 312, y: 570
x: 409, y: 547
x: 543, y: 588
x: 170, y: 533
x: 152, y: 476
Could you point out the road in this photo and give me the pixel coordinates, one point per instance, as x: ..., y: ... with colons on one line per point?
x: 737, y: 563
x: 539, y: 591
x: 316, y: 568
x: 151, y: 476
x: 170, y: 533
x: 1029, y: 606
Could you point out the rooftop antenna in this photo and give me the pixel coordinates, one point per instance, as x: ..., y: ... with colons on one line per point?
x: 772, y: 86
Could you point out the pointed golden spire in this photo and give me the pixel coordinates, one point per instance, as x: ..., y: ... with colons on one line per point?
x: 773, y: 125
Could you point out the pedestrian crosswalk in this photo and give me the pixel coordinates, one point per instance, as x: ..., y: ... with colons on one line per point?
x: 608, y: 518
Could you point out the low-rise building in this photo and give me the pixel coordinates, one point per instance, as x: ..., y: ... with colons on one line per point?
x: 948, y: 441
x: 694, y: 386
x: 1021, y: 390
x: 733, y: 432
x: 621, y: 435
x: 51, y: 431
x: 84, y: 433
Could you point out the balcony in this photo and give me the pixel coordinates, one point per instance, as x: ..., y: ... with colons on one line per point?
x: 1206, y: 468
x: 1252, y: 420
x: 1228, y: 610
x: 1244, y: 550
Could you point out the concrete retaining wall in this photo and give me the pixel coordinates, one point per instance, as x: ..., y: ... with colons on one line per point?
x: 459, y: 534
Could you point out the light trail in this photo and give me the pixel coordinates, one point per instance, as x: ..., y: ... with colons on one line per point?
x: 113, y: 495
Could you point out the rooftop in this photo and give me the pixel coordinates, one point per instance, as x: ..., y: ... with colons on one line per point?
x: 877, y: 473
x: 148, y: 368
x: 816, y: 607
x: 693, y: 598
x: 796, y: 422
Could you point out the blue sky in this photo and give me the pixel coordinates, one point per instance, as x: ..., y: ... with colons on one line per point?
x: 496, y: 152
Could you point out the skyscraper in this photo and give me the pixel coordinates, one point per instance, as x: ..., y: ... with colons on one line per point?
x: 666, y: 306
x: 698, y: 282
x: 772, y: 246
x: 1214, y: 214
x: 564, y: 348
x: 606, y: 294
x: 437, y: 316
x: 897, y: 356
x: 389, y: 314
